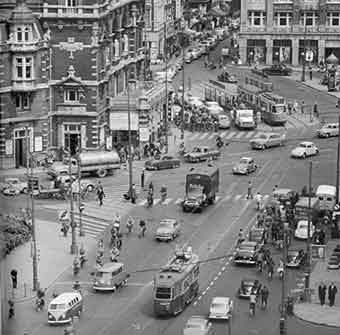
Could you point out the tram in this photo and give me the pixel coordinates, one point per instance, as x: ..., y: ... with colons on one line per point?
x: 176, y: 284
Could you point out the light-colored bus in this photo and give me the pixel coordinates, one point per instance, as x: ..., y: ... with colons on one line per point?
x: 327, y: 197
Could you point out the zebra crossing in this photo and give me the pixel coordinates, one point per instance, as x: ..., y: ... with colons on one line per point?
x: 95, y: 218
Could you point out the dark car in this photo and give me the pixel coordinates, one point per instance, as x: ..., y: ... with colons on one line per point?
x: 258, y: 235
x: 277, y: 70
x: 295, y: 258
x: 246, y: 253
x: 165, y: 162
x: 226, y: 77
x: 202, y: 153
x: 248, y: 286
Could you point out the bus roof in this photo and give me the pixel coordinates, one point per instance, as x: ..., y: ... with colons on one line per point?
x: 205, y: 170
x: 65, y: 297
x: 303, y: 202
x: 109, y: 267
x: 326, y: 189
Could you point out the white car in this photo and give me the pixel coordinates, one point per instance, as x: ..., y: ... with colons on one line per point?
x: 302, y: 229
x: 198, y: 325
x: 305, y: 149
x: 196, y: 53
x: 195, y: 101
x: 214, y: 108
x: 14, y: 186
x: 221, y: 308
x: 328, y: 130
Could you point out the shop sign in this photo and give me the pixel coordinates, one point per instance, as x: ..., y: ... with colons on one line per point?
x: 144, y: 134
x: 9, y: 147
x: 287, y: 7
x: 119, y: 121
x: 38, y: 144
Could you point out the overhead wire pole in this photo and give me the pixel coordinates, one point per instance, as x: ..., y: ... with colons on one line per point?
x: 80, y: 206
x: 165, y: 124
x: 183, y: 81
x: 129, y: 140
x: 283, y: 312
x: 338, y: 168
x: 303, y: 75
x: 307, y: 280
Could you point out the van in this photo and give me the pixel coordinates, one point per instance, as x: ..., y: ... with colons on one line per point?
x: 64, y: 308
x: 110, y: 277
x: 302, y: 208
x: 327, y: 197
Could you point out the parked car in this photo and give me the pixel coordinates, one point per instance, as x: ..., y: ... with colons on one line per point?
x: 247, y: 253
x: 277, y: 70
x: 14, y: 186
x: 213, y: 108
x: 198, y: 325
x: 248, y: 286
x: 195, y: 101
x: 305, y: 149
x: 201, y: 153
x: 188, y: 56
x: 195, y: 52
x: 295, y: 258
x: 302, y: 228
x: 167, y: 230
x: 333, y: 262
x: 221, y: 308
x: 245, y: 166
x: 165, y: 162
x: 328, y: 130
x: 225, y: 77
x: 267, y: 140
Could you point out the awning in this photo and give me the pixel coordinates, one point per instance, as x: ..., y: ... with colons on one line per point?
x: 216, y: 11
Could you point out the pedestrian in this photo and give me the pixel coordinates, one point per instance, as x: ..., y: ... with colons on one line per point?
x: 264, y: 296
x: 142, y: 226
x: 290, y: 108
x: 303, y: 107
x: 322, y: 293
x: 14, y: 276
x: 100, y: 193
x: 11, y: 311
x: 322, y: 237
x: 275, y: 189
x: 310, y: 73
x: 295, y: 106
x: 151, y: 187
x: 332, y: 291
x: 249, y: 191
x: 133, y: 194
x: 142, y: 178
x: 315, y: 110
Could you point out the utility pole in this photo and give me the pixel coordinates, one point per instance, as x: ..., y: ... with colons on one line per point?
x: 303, y: 75
x: 27, y: 164
x: 80, y: 205
x: 283, y: 312
x: 338, y: 168
x: 307, y: 280
x: 183, y: 82
x: 129, y: 140
x: 74, y: 248
x: 165, y: 124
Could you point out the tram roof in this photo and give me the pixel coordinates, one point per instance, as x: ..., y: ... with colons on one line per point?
x: 250, y: 88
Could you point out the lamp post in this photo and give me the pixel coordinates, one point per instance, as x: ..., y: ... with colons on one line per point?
x: 303, y: 74
x: 307, y: 278
x: 129, y: 140
x: 165, y: 124
x: 283, y: 312
x: 337, y: 182
x: 80, y: 205
x: 183, y: 82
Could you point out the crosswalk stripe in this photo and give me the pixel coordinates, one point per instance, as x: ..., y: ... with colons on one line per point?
x: 239, y: 135
x: 224, y: 133
x: 142, y: 203
x: 156, y: 201
x: 204, y: 136
x: 231, y: 135
x: 250, y: 134
x: 211, y: 136
x: 227, y: 197
x: 217, y: 198
x: 238, y: 196
x: 167, y: 201
x: 178, y: 201
x: 266, y: 197
x: 195, y: 136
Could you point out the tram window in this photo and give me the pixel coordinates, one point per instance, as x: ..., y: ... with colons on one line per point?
x: 163, y: 292
x: 273, y: 109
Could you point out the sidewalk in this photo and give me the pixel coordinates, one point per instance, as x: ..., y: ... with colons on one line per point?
x: 312, y: 311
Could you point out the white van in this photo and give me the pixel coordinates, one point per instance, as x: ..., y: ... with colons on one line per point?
x: 327, y: 197
x: 65, y: 307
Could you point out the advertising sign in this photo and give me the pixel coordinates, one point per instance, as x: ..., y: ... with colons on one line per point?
x: 119, y: 121
x: 318, y: 251
x: 309, y: 55
x: 144, y: 134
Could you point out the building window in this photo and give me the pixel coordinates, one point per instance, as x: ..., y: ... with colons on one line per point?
x: 71, y: 96
x: 256, y: 18
x: 283, y: 19
x: 309, y: 19
x: 24, y: 33
x: 333, y: 19
x: 19, y: 34
x: 71, y: 3
x: 148, y: 16
x: 22, y: 101
x: 24, y: 68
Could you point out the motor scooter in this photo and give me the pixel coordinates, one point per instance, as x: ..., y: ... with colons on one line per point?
x: 39, y: 304
x: 82, y: 260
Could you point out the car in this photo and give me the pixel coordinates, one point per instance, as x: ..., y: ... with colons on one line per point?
x: 213, y: 108
x: 246, y: 253
x: 14, y: 186
x: 221, y: 308
x: 245, y: 166
x: 198, y: 325
x: 201, y: 153
x: 165, y: 162
x: 267, y: 140
x: 295, y: 258
x: 277, y: 70
x: 196, y: 53
x: 167, y: 230
x: 194, y: 101
x: 223, y: 121
x: 257, y: 235
x: 282, y: 196
x: 188, y: 56
x: 333, y: 262
x: 305, y: 149
x: 204, y: 46
x: 248, y: 286
x: 225, y: 77
x: 301, y: 230
x: 85, y: 184
x: 328, y: 130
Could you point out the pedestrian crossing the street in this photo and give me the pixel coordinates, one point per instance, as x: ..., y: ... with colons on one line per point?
x: 96, y: 219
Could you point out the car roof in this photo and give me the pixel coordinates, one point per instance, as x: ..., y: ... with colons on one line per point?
x: 109, y: 267
x: 249, y: 280
x: 248, y: 158
x: 306, y: 143
x: 65, y: 297
x: 249, y: 243
x: 167, y: 221
x: 197, y: 319
x: 221, y: 300
x: 11, y: 179
x: 282, y: 191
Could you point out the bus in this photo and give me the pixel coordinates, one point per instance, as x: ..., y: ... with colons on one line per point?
x: 273, y: 108
x: 176, y: 284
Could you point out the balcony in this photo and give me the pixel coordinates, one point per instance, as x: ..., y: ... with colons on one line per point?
x: 70, y: 12
x: 32, y: 46
x: 333, y: 2
x: 24, y: 85
x: 282, y: 2
x: 281, y: 29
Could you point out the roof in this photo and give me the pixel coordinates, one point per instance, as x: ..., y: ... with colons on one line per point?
x: 307, y: 143
x: 110, y: 267
x: 207, y: 170
x: 220, y: 299
x: 216, y: 11
x: 303, y: 201
x: 326, y: 189
x: 21, y: 13
x: 61, y: 298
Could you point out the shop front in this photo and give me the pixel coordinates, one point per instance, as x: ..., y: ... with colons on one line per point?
x: 310, y: 47
x: 282, y: 51
x: 256, y: 51
x: 332, y: 47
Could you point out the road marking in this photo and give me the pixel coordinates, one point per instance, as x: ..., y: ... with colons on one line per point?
x: 227, y: 197
x: 142, y: 203
x: 238, y: 197
x: 224, y: 133
x: 204, y: 136
x: 167, y: 201
x: 156, y: 201
x: 239, y: 135
x: 230, y: 135
x: 211, y: 136
x: 178, y: 201
x: 250, y: 134
x: 195, y: 136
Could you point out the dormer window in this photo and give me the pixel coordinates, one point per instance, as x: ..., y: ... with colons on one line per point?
x: 71, y: 95
x: 24, y: 33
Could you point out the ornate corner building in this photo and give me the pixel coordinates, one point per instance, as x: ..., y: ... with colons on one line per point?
x: 61, y: 63
x: 281, y: 30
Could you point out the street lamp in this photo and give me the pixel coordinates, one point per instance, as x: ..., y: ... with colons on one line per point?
x: 80, y: 205
x: 283, y: 312
x: 308, y: 270
x: 183, y: 82
x: 166, y: 89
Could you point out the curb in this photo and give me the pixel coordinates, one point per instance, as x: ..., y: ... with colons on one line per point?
x: 314, y: 88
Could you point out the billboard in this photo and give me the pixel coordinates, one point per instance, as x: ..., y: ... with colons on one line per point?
x: 119, y: 121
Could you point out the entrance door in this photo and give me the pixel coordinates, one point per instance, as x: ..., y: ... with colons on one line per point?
x: 20, y: 152
x: 72, y: 142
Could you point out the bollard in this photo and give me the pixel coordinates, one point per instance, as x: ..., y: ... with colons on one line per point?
x: 25, y: 290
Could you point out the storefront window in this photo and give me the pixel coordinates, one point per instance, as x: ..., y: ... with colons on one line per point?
x: 256, y: 18
x: 256, y: 51
x: 283, y: 19
x: 309, y: 19
x: 309, y: 47
x: 333, y: 19
x: 282, y: 51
